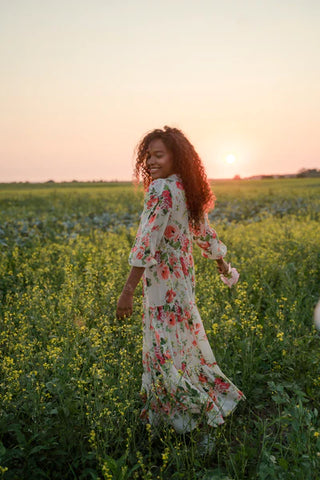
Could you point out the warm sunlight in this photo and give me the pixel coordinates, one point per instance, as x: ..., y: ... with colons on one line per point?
x: 230, y: 158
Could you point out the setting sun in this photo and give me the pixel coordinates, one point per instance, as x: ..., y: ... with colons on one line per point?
x: 230, y: 158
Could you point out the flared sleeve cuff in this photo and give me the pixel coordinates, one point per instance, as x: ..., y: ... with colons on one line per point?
x: 207, y: 239
x: 140, y: 255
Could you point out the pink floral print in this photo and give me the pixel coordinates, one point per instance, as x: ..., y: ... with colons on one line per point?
x: 181, y: 383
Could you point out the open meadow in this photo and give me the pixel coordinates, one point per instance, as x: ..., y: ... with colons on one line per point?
x: 70, y: 372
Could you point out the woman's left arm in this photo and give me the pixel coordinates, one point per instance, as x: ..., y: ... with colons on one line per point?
x: 125, y: 302
x: 208, y: 240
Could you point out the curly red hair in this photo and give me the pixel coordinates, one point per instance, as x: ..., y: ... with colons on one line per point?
x: 187, y: 164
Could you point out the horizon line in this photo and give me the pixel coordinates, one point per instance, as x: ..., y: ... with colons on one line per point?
x: 115, y: 180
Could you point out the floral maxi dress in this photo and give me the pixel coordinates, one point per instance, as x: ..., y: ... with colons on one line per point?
x: 181, y: 382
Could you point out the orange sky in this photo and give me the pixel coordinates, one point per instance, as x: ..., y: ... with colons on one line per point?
x: 82, y: 81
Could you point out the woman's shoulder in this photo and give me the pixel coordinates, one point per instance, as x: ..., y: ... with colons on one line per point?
x: 170, y: 183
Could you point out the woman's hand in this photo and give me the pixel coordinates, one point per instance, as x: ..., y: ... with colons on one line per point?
x: 124, y: 305
x: 228, y: 275
x: 223, y: 266
x: 125, y: 302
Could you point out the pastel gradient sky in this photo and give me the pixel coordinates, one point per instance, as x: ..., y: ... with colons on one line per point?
x: 83, y: 80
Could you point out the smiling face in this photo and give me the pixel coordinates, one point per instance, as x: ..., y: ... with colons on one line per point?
x: 159, y: 160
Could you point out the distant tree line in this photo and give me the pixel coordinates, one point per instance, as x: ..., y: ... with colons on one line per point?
x: 311, y: 172
x: 303, y: 173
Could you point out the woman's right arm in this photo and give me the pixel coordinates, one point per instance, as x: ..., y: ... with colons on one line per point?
x: 153, y: 222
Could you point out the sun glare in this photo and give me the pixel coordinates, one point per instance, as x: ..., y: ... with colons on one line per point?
x: 230, y: 158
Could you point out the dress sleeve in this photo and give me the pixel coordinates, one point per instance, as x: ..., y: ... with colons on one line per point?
x: 207, y: 239
x: 154, y: 219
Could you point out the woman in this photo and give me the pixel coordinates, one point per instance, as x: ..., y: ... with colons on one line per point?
x: 181, y: 384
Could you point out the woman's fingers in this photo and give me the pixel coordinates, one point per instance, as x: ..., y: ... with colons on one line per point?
x: 123, y: 312
x: 223, y: 266
x: 222, y: 270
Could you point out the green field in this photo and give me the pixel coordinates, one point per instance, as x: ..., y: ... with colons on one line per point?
x: 70, y: 372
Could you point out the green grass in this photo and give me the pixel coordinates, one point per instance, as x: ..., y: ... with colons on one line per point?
x: 70, y: 372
